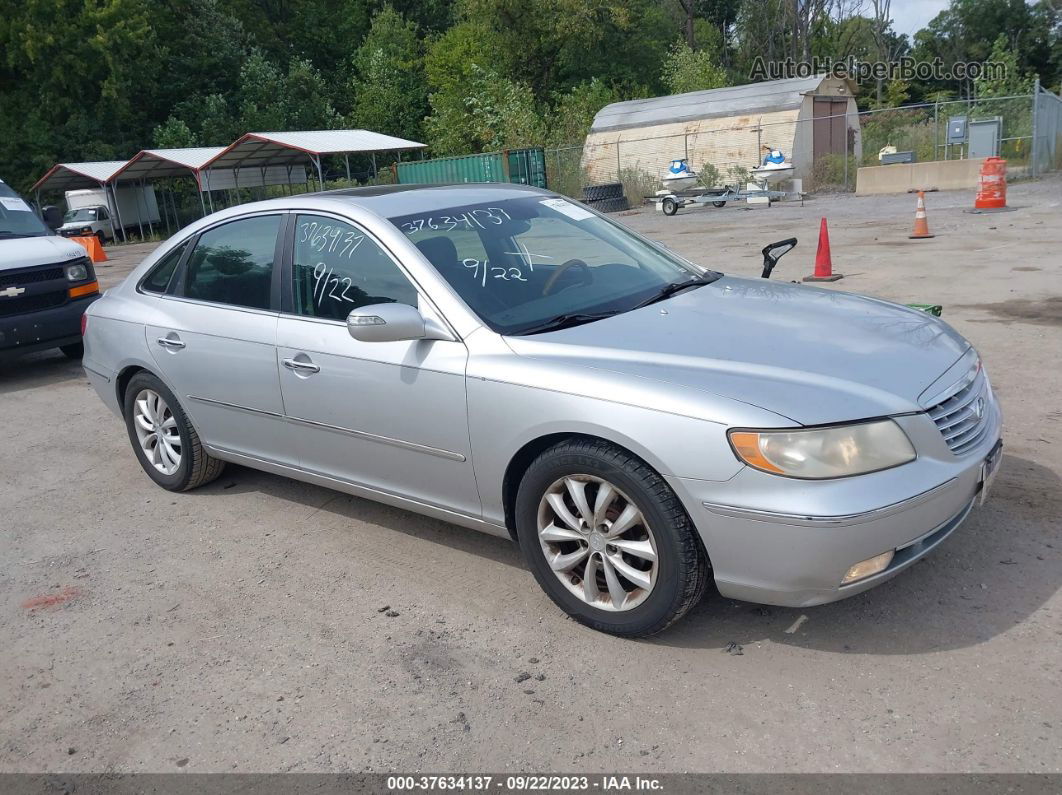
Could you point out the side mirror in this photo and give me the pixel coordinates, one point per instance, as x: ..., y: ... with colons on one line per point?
x: 52, y: 217
x: 393, y: 323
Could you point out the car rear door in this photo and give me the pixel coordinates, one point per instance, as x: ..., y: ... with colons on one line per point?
x: 215, y: 339
x: 389, y: 416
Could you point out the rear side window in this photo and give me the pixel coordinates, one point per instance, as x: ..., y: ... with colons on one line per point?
x: 159, y: 279
x: 233, y: 263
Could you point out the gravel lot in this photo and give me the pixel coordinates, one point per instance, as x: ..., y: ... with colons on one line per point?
x: 242, y: 626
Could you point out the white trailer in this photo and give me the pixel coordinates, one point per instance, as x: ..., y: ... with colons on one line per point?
x: 137, y: 207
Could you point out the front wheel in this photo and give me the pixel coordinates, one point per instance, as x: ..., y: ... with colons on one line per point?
x: 607, y: 539
x: 165, y: 443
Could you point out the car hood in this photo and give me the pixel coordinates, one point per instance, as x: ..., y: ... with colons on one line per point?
x: 25, y: 252
x: 812, y: 355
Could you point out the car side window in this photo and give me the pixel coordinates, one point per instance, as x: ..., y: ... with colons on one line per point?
x: 159, y: 278
x: 336, y: 268
x: 233, y: 263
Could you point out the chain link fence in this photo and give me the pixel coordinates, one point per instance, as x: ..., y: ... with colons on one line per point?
x: 1047, y: 132
x: 1024, y: 129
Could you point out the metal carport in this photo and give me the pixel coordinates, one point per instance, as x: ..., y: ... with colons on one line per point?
x: 161, y: 163
x: 76, y: 176
x: 263, y: 149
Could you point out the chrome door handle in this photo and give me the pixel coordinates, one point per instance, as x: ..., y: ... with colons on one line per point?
x: 302, y: 367
x: 172, y: 344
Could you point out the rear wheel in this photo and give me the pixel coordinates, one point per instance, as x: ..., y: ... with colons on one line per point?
x: 719, y: 204
x: 608, y: 540
x: 669, y: 206
x: 163, y: 439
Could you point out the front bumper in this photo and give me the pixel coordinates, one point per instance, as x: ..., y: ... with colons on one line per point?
x: 787, y: 542
x: 43, y: 328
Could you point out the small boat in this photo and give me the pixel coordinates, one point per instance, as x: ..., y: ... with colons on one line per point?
x: 772, y: 173
x: 679, y: 176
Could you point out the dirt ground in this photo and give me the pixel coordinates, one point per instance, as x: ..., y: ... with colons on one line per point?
x: 241, y: 627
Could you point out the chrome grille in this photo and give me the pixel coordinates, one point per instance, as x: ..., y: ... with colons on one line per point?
x: 962, y: 418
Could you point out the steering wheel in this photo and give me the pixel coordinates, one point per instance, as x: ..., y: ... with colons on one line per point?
x: 561, y: 270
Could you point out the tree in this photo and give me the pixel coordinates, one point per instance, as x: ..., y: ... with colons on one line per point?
x: 688, y: 70
x: 573, y: 112
x: 262, y: 107
x: 389, y: 90
x: 490, y: 113
x: 173, y: 134
x: 968, y: 29
x: 307, y: 99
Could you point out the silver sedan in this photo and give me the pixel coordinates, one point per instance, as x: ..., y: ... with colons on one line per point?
x: 505, y: 359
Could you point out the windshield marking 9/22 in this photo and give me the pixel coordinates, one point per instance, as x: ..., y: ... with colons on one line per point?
x: 524, y: 265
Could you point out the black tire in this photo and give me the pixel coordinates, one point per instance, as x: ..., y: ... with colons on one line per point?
x: 607, y: 190
x: 683, y: 565
x: 669, y: 206
x: 610, y: 205
x: 101, y: 237
x: 196, y: 467
x: 719, y: 204
x: 75, y: 350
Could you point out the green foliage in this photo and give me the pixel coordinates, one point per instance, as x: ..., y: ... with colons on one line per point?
x: 389, y: 91
x: 173, y: 134
x: 909, y: 130
x: 485, y: 112
x: 691, y: 70
x: 709, y: 176
x: 573, y: 112
x: 1011, y: 82
x: 101, y: 79
x: 638, y: 184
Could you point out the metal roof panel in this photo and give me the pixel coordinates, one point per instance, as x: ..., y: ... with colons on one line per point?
x: 730, y: 101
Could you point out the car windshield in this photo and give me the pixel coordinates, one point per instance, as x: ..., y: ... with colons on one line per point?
x: 17, y: 219
x: 537, y: 262
x: 84, y: 214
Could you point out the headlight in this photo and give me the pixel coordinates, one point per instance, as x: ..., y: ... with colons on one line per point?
x: 77, y: 271
x: 817, y: 453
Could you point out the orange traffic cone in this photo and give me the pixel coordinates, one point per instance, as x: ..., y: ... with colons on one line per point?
x: 823, y: 260
x: 921, y: 227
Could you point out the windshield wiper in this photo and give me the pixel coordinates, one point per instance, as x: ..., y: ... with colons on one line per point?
x: 670, y: 289
x: 565, y: 321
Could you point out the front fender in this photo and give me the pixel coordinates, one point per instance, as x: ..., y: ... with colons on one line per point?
x: 504, y: 417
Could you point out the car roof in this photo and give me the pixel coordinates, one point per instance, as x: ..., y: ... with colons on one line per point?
x: 395, y: 200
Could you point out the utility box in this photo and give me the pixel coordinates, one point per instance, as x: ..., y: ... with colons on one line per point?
x: 985, y: 135
x: 957, y: 130
x: 897, y: 157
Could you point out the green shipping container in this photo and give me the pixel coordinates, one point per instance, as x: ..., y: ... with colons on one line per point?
x: 528, y: 166
x: 524, y: 166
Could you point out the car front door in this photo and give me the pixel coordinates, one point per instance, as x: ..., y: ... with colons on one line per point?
x: 215, y: 339
x: 388, y: 416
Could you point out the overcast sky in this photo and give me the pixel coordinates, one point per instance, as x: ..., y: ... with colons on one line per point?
x: 909, y: 16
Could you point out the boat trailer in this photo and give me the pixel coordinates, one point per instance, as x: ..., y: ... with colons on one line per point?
x: 668, y: 202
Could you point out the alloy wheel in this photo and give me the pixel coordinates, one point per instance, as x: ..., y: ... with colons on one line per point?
x: 597, y: 542
x: 156, y: 430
